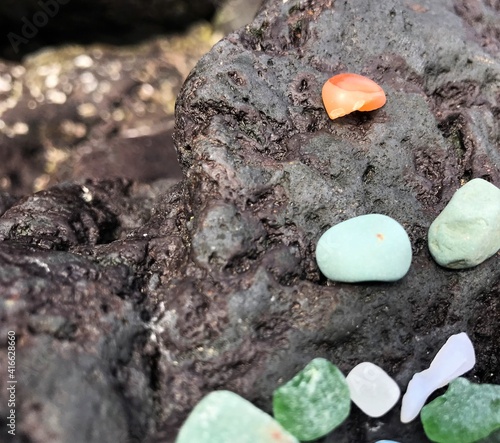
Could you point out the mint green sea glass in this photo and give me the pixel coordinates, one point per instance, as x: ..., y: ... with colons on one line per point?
x: 466, y: 413
x: 372, y: 247
x: 314, y: 402
x: 225, y: 417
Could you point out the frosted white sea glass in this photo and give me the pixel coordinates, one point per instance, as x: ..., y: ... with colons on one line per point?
x: 372, y: 390
x: 455, y: 358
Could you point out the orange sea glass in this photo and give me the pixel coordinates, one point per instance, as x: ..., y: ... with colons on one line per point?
x: 346, y: 93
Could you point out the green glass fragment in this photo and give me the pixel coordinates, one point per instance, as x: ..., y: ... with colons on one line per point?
x: 314, y: 402
x: 466, y: 413
x: 225, y: 417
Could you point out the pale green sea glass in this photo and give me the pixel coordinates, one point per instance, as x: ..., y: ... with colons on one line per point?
x: 225, y: 417
x: 467, y: 231
x: 371, y: 247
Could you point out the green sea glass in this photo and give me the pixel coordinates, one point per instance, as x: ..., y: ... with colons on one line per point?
x: 314, y: 402
x: 225, y: 417
x: 466, y: 413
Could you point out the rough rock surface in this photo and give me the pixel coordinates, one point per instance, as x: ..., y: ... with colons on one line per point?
x: 131, y: 302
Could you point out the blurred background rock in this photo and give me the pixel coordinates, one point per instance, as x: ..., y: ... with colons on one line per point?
x: 91, y: 93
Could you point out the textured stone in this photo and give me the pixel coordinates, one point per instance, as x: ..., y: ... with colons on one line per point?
x: 465, y: 413
x: 370, y: 247
x: 225, y: 417
x: 251, y: 132
x: 223, y: 234
x: 467, y: 232
x: 372, y: 389
x: 455, y: 358
x: 314, y: 402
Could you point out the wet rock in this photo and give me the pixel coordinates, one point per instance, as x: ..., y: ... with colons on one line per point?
x: 164, y: 325
x: 73, y: 298
x: 251, y: 130
x: 64, y: 216
x: 223, y: 235
x: 74, y: 328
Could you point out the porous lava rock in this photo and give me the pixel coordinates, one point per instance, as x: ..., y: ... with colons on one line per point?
x: 252, y: 133
x: 155, y: 296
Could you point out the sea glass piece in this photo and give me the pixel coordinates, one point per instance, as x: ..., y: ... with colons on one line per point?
x: 465, y: 413
x: 371, y: 247
x: 372, y: 389
x: 455, y: 358
x: 467, y: 232
x: 314, y: 402
x: 225, y: 417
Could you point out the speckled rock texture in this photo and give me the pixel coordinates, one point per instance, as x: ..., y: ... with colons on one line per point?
x: 132, y: 301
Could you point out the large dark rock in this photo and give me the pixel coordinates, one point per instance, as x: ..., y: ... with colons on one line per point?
x: 254, y: 140
x: 71, y: 292
x: 131, y: 302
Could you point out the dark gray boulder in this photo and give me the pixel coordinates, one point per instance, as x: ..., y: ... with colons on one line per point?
x: 252, y: 133
x: 75, y: 314
x: 139, y: 299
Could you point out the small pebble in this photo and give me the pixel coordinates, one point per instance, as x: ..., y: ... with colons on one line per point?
x: 225, y: 417
x: 371, y: 247
x: 372, y: 389
x: 314, y: 402
x: 386, y: 441
x: 467, y: 231
x: 348, y: 92
x: 466, y: 413
x: 455, y: 358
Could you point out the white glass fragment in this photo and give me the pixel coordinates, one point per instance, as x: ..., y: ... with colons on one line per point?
x: 372, y: 390
x: 456, y: 357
